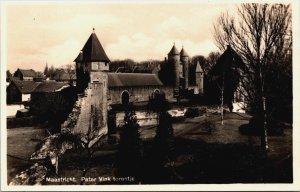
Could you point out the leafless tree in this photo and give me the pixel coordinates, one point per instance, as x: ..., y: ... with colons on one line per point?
x: 261, y: 35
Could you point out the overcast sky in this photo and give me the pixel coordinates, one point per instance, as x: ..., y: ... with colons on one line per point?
x: 55, y: 34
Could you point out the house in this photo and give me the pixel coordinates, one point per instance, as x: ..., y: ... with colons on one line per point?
x: 25, y: 74
x: 20, y: 91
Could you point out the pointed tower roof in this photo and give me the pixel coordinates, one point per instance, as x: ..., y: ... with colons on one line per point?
x: 174, y: 51
x: 79, y: 57
x: 183, y: 53
x: 93, y: 50
x: 198, y: 67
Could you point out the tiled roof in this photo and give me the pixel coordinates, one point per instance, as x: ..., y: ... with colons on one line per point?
x: 25, y: 87
x: 93, y: 50
x: 133, y: 80
x: 50, y: 86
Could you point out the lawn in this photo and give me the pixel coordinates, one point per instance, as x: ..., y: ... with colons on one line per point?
x: 21, y: 143
x: 220, y: 156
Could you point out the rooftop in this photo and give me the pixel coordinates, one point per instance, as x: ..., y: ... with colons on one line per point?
x: 25, y: 87
x: 92, y: 50
x: 133, y: 80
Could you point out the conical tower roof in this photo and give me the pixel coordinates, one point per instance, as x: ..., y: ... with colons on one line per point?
x: 79, y: 57
x: 198, y: 67
x: 93, y: 50
x: 183, y: 53
x: 174, y: 51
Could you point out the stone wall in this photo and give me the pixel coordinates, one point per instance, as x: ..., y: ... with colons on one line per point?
x: 91, y: 106
x: 144, y: 118
x: 137, y: 94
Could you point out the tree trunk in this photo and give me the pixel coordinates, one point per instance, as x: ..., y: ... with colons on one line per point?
x: 222, y: 103
x: 264, y: 135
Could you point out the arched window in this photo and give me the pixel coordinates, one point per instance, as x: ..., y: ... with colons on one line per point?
x: 125, y: 97
x: 157, y: 91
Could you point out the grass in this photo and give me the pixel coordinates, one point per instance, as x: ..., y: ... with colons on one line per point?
x: 222, y: 156
x: 21, y: 143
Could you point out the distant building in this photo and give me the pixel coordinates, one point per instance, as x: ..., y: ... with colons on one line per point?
x: 178, y: 73
x: 65, y: 77
x: 25, y: 74
x: 19, y: 91
x: 22, y: 91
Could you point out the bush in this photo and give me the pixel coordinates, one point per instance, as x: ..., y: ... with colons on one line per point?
x: 164, y: 139
x: 274, y: 128
x: 209, y: 126
x: 130, y: 149
x: 192, y: 112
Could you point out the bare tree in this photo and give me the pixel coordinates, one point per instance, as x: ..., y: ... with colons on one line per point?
x: 261, y: 35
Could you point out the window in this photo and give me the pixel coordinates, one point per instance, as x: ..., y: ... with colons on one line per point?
x: 125, y: 97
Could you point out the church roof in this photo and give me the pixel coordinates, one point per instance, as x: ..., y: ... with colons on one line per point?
x: 93, y: 50
x: 133, y: 80
x: 174, y: 51
x: 183, y: 53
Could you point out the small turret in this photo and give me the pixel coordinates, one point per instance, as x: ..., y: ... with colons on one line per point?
x: 173, y: 58
x: 184, y: 58
x: 199, y: 78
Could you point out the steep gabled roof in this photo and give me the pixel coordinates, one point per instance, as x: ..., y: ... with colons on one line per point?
x: 28, y: 72
x: 25, y: 87
x: 93, y: 50
x: 133, y: 80
x: 173, y: 51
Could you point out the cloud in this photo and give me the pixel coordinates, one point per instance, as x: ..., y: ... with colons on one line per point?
x: 56, y: 33
x: 60, y: 55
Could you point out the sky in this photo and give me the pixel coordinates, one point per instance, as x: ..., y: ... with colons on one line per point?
x: 55, y: 34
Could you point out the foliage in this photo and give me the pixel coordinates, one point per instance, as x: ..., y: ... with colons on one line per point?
x: 262, y: 37
x: 164, y: 139
x: 46, y: 70
x: 53, y: 107
x: 128, y: 65
x: 158, y: 102
x: 8, y: 75
x: 130, y: 148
